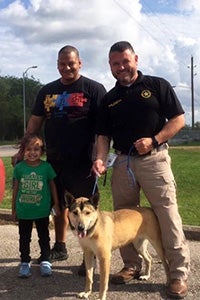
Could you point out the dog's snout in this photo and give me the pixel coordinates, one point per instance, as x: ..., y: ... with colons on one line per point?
x: 81, y: 227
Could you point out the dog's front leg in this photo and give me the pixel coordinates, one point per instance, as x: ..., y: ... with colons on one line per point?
x: 104, y: 265
x: 141, y: 247
x: 89, y: 265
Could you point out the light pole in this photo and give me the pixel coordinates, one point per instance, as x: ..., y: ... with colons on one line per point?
x: 24, y: 94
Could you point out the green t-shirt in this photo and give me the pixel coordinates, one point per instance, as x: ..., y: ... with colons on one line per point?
x: 34, y: 195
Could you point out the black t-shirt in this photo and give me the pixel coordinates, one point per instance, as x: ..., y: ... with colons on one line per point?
x: 140, y: 110
x: 70, y: 113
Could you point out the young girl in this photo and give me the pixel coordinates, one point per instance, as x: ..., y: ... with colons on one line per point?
x: 33, y: 192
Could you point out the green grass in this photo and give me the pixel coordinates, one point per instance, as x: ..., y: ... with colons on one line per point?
x: 186, y: 168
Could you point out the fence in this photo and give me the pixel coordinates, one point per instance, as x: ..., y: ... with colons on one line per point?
x: 186, y: 135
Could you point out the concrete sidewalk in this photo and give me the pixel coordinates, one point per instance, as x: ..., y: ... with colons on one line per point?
x: 65, y: 283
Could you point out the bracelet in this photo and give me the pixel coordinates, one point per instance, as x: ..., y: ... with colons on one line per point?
x: 155, y: 142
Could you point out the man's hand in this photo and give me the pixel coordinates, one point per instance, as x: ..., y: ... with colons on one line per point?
x: 143, y: 145
x: 56, y: 210
x: 98, y: 167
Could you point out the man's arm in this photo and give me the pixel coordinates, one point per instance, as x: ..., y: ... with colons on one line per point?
x: 171, y: 128
x: 102, y: 149
x: 35, y: 124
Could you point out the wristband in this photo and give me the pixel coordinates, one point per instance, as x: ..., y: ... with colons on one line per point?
x: 155, y: 142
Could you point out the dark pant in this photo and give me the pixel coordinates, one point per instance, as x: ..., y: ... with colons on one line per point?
x: 25, y: 230
x: 73, y: 178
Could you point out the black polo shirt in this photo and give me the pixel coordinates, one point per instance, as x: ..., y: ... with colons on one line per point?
x: 140, y: 110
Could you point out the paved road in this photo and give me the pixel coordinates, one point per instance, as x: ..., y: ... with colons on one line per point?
x: 7, y: 150
x: 65, y: 283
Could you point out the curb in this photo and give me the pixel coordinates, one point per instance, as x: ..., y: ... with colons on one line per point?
x: 5, y: 215
x: 191, y: 232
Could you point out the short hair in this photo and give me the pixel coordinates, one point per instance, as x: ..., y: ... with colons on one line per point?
x: 121, y: 47
x: 68, y: 49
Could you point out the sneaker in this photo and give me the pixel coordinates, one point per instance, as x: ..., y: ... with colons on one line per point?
x: 58, y: 252
x: 45, y: 269
x: 25, y: 270
x: 82, y: 269
x: 125, y: 275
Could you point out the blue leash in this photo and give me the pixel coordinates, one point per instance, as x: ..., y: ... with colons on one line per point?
x: 129, y: 170
x: 95, y: 185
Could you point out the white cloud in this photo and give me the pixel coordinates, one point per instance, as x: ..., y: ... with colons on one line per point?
x: 32, y: 32
x: 188, y: 5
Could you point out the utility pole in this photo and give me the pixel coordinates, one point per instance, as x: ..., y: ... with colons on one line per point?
x: 24, y: 94
x: 192, y: 89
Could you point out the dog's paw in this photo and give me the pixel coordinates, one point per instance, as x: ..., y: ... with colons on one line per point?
x: 144, y: 277
x: 83, y: 295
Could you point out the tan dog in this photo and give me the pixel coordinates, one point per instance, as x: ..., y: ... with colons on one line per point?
x: 100, y: 232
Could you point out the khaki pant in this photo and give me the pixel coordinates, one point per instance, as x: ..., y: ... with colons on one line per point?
x: 152, y: 173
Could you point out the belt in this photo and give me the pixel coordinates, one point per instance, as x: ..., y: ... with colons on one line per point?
x: 161, y: 147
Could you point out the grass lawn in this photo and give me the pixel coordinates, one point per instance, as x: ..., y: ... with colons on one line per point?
x: 186, y: 168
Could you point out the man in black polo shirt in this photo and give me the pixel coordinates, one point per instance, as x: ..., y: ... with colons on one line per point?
x: 140, y: 114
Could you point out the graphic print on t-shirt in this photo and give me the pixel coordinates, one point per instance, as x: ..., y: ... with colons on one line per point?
x: 64, y: 100
x: 31, y: 187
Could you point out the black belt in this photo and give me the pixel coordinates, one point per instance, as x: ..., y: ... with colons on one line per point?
x: 161, y: 147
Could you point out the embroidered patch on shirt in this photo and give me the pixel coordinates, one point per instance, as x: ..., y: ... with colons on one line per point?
x: 146, y: 94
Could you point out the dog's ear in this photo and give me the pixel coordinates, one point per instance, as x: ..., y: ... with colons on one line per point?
x: 69, y: 199
x: 94, y: 199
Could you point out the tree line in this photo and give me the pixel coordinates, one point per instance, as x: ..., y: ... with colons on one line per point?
x: 11, y: 105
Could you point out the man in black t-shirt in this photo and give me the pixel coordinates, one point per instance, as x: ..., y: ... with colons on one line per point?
x: 68, y: 107
x: 140, y: 114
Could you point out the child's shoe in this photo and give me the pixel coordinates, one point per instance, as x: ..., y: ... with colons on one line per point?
x: 45, y: 268
x: 25, y: 270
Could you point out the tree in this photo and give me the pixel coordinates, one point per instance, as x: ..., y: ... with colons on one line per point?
x: 11, y: 105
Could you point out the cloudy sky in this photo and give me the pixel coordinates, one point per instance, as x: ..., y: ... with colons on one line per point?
x: 165, y: 34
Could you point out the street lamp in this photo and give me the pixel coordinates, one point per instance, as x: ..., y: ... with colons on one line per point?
x: 24, y: 94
